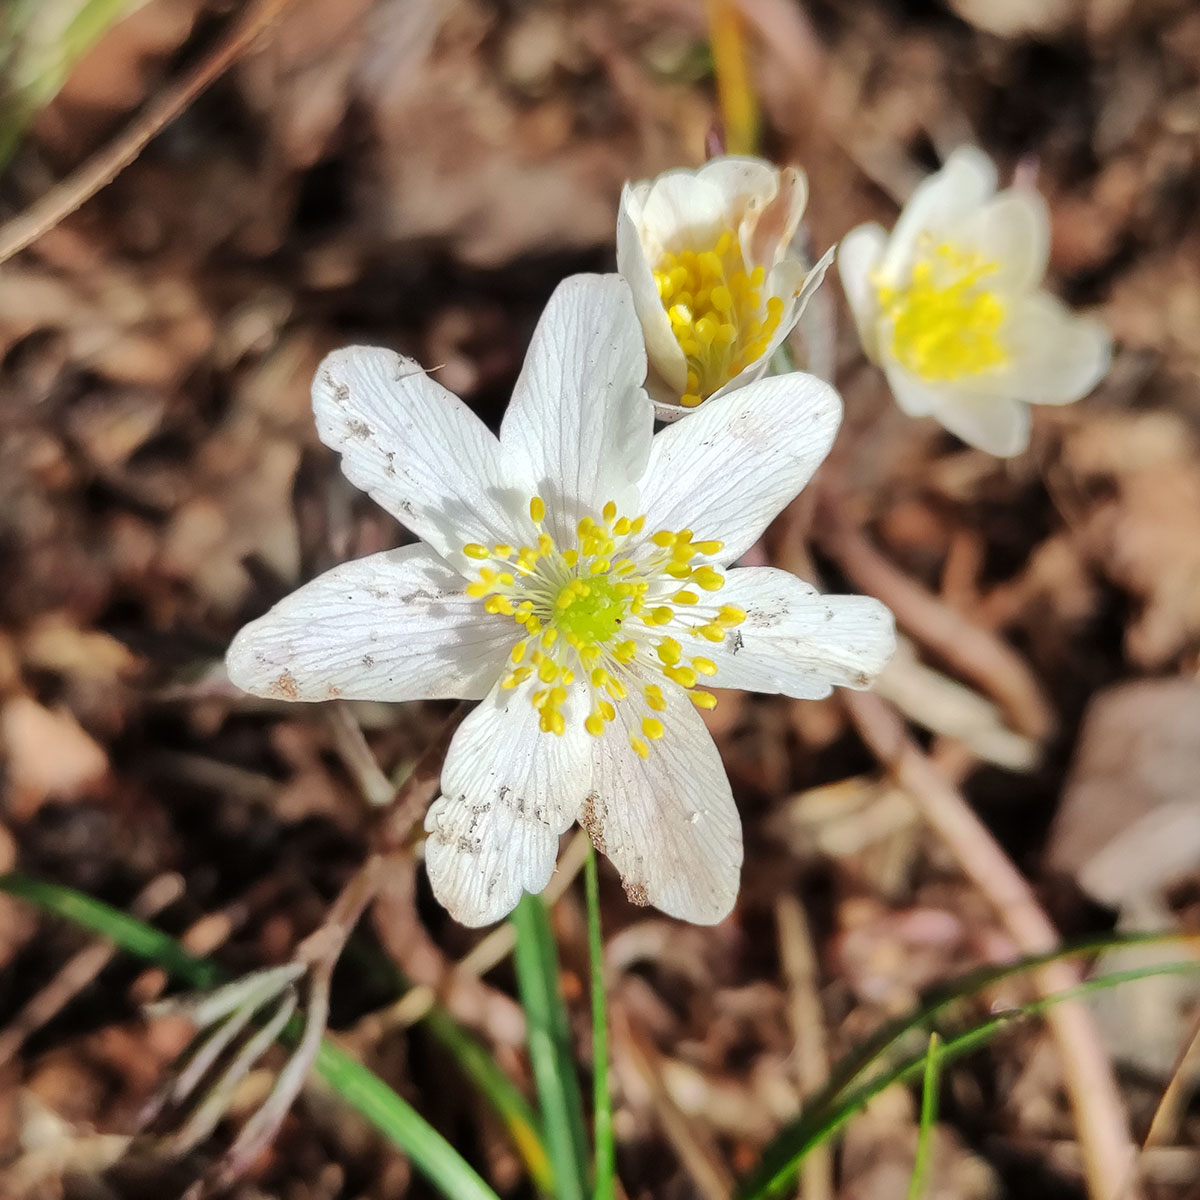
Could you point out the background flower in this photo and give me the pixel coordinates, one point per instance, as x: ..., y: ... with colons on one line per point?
x: 949, y: 304
x: 717, y: 282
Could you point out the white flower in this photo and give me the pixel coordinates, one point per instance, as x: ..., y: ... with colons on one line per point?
x: 716, y: 283
x: 949, y: 305
x: 571, y: 576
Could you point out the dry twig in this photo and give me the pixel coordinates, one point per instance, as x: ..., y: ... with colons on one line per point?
x: 103, y: 167
x: 1107, y: 1149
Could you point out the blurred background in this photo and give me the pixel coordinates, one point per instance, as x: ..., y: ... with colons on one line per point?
x: 420, y: 174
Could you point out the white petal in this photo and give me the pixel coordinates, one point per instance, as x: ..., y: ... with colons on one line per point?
x: 914, y: 395
x: 996, y: 424
x: 740, y: 177
x: 416, y: 449
x: 509, y: 792
x: 665, y: 357
x: 729, y: 468
x: 580, y: 419
x: 667, y: 822
x: 1012, y: 231
x: 858, y: 257
x: 964, y: 184
x: 682, y: 211
x: 1057, y: 356
x: 769, y: 226
x: 394, y: 626
x: 796, y: 641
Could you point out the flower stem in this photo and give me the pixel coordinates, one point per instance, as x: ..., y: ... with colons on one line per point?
x: 735, y: 96
x: 606, y: 1167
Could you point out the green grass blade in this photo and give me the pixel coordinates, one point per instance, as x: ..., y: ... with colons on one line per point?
x: 428, y: 1151
x: 929, y: 1104
x: 550, y: 1048
x: 357, y: 1086
x: 473, y: 1059
x: 508, y: 1101
x: 780, y: 1160
x: 40, y: 41
x: 869, y: 1051
x: 606, y: 1159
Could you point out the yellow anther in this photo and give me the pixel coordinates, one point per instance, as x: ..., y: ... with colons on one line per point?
x: 705, y: 666
x: 478, y: 589
x: 475, y: 550
x: 660, y: 615
x: 670, y: 651
x: 624, y: 652
x: 710, y: 548
x: 730, y: 616
x: 537, y: 510
x: 547, y: 670
x: 946, y: 324
x: 654, y: 697
x: 708, y: 579
x: 702, y: 699
x: 607, y: 711
x: 686, y: 597
x: 664, y: 537
x: 501, y: 550
x: 610, y: 512
x: 518, y: 651
x: 684, y: 676
x: 652, y: 727
x: 640, y: 748
x: 711, y: 632
x: 594, y: 725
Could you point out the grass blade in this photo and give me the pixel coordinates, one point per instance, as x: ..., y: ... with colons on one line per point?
x: 359, y: 1087
x: 508, y: 1101
x: 606, y: 1159
x: 869, y: 1051
x: 550, y: 1048
x: 780, y: 1160
x: 929, y: 1104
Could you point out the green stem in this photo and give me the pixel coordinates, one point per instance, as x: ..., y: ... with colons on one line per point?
x: 605, y: 1150
x: 929, y: 1105
x: 550, y: 1052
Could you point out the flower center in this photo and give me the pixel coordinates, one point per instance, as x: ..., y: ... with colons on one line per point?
x: 590, y: 610
x: 606, y: 615
x: 945, y: 325
x: 717, y: 313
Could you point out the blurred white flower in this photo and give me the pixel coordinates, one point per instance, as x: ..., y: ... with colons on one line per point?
x: 717, y: 284
x: 950, y: 306
x: 572, y: 576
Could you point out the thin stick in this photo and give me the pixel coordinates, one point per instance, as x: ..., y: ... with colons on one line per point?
x: 799, y: 962
x: 103, y: 167
x: 606, y: 1166
x: 1107, y: 1149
